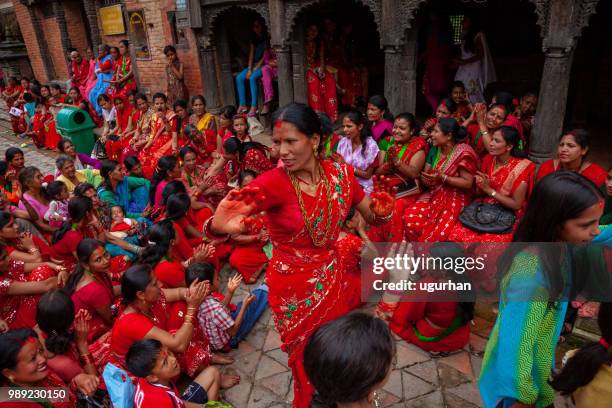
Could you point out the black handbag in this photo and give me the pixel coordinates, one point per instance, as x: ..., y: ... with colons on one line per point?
x: 487, y: 218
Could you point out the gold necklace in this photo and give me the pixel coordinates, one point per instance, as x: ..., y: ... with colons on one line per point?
x: 310, y: 227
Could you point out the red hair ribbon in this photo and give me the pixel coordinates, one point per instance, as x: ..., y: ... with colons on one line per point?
x: 604, y: 343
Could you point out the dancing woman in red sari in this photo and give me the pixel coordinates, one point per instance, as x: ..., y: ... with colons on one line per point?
x: 163, y: 139
x: 450, y: 179
x: 504, y: 179
x: 572, y: 153
x: 306, y: 202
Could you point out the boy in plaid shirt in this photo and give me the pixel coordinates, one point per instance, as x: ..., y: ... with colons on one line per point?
x: 223, y: 328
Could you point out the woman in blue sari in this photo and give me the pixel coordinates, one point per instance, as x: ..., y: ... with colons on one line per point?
x: 104, y: 72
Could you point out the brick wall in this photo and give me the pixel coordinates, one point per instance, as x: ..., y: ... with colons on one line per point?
x: 29, y: 38
x: 152, y: 73
x: 54, y: 43
x: 75, y: 21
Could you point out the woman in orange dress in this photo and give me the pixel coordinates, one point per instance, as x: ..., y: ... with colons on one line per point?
x: 450, y: 179
x: 572, y: 155
x: 306, y: 201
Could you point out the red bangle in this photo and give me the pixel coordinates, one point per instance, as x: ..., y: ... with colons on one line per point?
x: 208, y: 234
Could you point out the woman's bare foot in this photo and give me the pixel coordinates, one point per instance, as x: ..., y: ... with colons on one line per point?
x: 266, y: 108
x: 253, y: 111
x: 242, y: 109
x: 222, y: 360
x: 228, y: 381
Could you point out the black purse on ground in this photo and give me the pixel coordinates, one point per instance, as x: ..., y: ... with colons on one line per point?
x: 487, y: 218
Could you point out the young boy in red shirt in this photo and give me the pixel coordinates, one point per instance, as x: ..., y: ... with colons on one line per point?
x: 156, y: 367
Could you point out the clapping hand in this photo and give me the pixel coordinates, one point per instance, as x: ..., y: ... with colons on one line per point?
x: 483, y: 182
x: 196, y: 293
x: 234, y: 282
x: 81, y: 326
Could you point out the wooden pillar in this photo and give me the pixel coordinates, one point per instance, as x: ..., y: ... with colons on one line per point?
x: 393, y: 47
x: 558, y: 46
x: 298, y: 59
x: 228, y: 96
x: 551, y: 104
x: 209, y: 78
x: 285, y: 74
x: 408, y: 74
x: 393, y: 61
x: 283, y: 51
x: 92, y: 20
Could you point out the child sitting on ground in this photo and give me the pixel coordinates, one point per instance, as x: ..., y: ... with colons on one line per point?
x: 122, y: 227
x: 156, y: 367
x: 58, y: 207
x: 223, y: 328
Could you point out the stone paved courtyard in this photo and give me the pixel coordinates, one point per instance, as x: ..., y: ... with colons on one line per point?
x: 416, y: 381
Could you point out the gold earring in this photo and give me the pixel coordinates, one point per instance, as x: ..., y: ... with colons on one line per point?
x: 11, y: 378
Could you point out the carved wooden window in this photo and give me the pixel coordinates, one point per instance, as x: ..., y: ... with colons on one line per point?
x: 456, y: 22
x: 138, y: 34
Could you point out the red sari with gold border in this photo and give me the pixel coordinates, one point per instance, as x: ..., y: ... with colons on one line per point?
x: 306, y: 281
x: 505, y: 180
x: 162, y: 146
x: 434, y: 215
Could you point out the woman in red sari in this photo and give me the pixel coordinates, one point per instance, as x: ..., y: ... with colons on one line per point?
x: 199, y: 185
x: 306, y: 201
x: 320, y: 81
x: 82, y: 224
x: 446, y: 109
x: 450, y: 179
x: 504, y: 179
x: 123, y: 78
x: 24, y: 366
x: 226, y: 126
x: 405, y: 158
x: 163, y: 139
x: 15, y: 287
x: 572, y: 153
x: 141, y: 123
x: 482, y: 123
x: 90, y: 287
x: 145, y: 316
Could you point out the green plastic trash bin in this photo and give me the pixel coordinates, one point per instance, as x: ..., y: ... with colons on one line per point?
x: 76, y: 125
